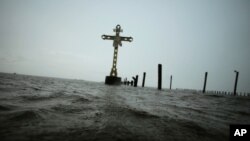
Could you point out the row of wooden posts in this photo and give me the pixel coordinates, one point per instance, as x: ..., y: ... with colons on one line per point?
x: 134, y: 82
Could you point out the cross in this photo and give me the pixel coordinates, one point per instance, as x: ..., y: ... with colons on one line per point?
x: 117, y: 41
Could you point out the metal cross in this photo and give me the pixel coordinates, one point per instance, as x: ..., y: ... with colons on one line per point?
x: 117, y: 42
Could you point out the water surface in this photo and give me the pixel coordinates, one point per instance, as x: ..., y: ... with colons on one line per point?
x: 43, y: 109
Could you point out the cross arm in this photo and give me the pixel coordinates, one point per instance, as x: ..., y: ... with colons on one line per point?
x: 129, y: 39
x: 108, y: 37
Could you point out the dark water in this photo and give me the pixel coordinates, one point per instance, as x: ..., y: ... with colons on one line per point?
x: 40, y: 108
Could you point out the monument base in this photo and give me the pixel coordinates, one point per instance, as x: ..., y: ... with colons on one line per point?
x: 112, y: 80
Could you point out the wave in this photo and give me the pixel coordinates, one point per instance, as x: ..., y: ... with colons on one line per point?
x: 4, y: 108
x: 36, y: 88
x: 215, y: 95
x: 60, y: 108
x: 81, y: 100
x: 38, y: 97
x: 140, y: 113
x: 128, y: 111
x: 31, y: 98
x: 27, y: 115
x: 8, y: 89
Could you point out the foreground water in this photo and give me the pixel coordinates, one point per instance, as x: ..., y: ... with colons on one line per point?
x: 40, y: 108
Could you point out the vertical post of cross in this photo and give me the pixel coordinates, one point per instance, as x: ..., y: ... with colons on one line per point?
x: 114, y: 69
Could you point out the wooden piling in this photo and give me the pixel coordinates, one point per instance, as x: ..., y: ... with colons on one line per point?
x: 159, y: 76
x: 170, y: 82
x: 125, y: 81
x: 205, y: 83
x: 135, y: 80
x: 128, y: 83
x: 143, y: 80
x: 236, y: 81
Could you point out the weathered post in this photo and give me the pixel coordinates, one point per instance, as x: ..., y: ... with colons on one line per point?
x: 170, y: 82
x: 129, y: 83
x: 143, y: 80
x: 135, y: 80
x: 125, y: 81
x: 159, y: 76
x: 132, y: 83
x: 236, y: 81
x: 113, y: 78
x: 205, y: 83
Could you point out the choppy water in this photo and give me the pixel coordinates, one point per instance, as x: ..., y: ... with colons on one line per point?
x: 40, y: 108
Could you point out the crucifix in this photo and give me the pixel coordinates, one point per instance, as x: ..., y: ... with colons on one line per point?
x: 117, y: 41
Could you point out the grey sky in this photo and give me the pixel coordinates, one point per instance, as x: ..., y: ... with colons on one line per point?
x: 62, y: 38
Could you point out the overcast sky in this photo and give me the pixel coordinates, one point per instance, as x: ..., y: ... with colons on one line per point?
x: 62, y: 38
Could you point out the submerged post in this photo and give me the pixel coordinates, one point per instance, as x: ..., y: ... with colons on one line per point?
x: 128, y: 83
x: 236, y: 81
x: 113, y: 79
x: 132, y: 83
x: 143, y: 80
x: 170, y: 82
x: 159, y: 76
x: 125, y: 81
x: 205, y: 83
